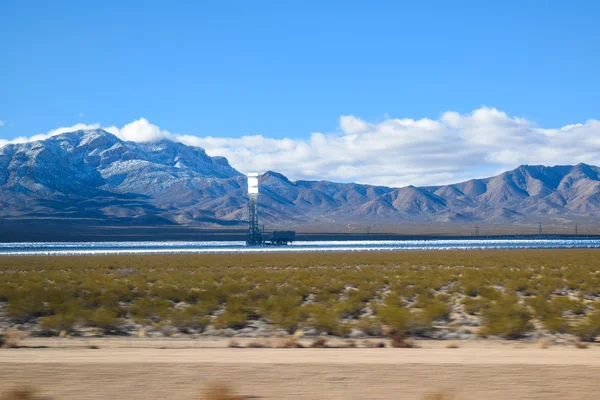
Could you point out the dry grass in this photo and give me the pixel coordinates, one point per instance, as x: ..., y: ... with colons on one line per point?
x: 20, y: 394
x: 319, y: 343
x: 221, y: 391
x: 11, y: 339
x: 234, y: 344
x: 298, y: 334
x: 438, y: 396
x: 350, y: 343
x: 289, y: 343
x: 399, y: 341
x: 452, y: 345
x: 259, y: 344
x: 581, y: 345
x: 543, y: 343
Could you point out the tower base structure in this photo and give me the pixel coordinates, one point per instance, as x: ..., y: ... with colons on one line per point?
x: 254, y: 233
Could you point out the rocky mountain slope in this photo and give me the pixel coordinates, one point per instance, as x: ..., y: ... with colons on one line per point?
x: 94, y: 178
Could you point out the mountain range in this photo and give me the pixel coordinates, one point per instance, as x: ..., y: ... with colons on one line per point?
x: 91, y: 177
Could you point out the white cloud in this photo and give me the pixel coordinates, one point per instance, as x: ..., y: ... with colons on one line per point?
x: 394, y: 152
x: 1, y: 123
x: 141, y: 131
x: 81, y: 115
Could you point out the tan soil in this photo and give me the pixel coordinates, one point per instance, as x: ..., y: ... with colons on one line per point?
x: 151, y: 369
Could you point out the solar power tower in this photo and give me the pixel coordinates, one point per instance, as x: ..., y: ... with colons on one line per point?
x: 254, y: 233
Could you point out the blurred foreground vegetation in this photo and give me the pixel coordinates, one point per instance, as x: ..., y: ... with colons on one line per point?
x: 511, y: 292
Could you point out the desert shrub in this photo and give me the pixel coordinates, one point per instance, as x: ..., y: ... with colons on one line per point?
x: 59, y: 322
x: 394, y: 300
x: 238, y: 310
x: 231, y: 319
x: 562, y: 304
x: 369, y: 325
x: 146, y: 308
x: 210, y: 296
x: 102, y: 318
x: 349, y: 308
x: 168, y: 292
x: 474, y: 305
x: 188, y: 318
x: 284, y: 311
x: 550, y: 313
x: 506, y: 319
x: 27, y: 307
x: 424, y: 299
x: 398, y: 319
x: 555, y: 323
x: 471, y: 290
x: 589, y: 328
x: 490, y: 293
x: 540, y: 305
x: 436, y: 309
x: 323, y: 318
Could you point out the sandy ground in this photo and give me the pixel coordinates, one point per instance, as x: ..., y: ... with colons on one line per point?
x: 151, y: 369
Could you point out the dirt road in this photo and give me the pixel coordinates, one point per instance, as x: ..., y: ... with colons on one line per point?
x: 476, y: 370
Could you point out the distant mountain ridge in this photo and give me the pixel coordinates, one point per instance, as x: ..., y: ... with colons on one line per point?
x: 94, y: 178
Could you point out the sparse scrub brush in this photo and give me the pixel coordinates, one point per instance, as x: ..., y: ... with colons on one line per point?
x: 319, y: 343
x: 474, y: 306
x: 102, y: 318
x: 323, y: 318
x: 369, y: 325
x: 588, y: 329
x: 437, y: 310
x: 232, y: 319
x: 59, y: 322
x: 397, y: 318
x: 10, y: 339
x: 507, y: 319
x: 399, y: 341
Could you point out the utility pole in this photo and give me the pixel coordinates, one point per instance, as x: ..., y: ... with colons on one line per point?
x: 539, y: 228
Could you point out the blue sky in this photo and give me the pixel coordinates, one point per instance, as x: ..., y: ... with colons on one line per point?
x: 285, y: 69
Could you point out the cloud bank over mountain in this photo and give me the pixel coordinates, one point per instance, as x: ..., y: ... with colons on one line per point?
x: 393, y: 152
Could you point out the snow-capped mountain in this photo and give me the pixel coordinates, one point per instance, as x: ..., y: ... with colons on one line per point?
x: 93, y: 178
